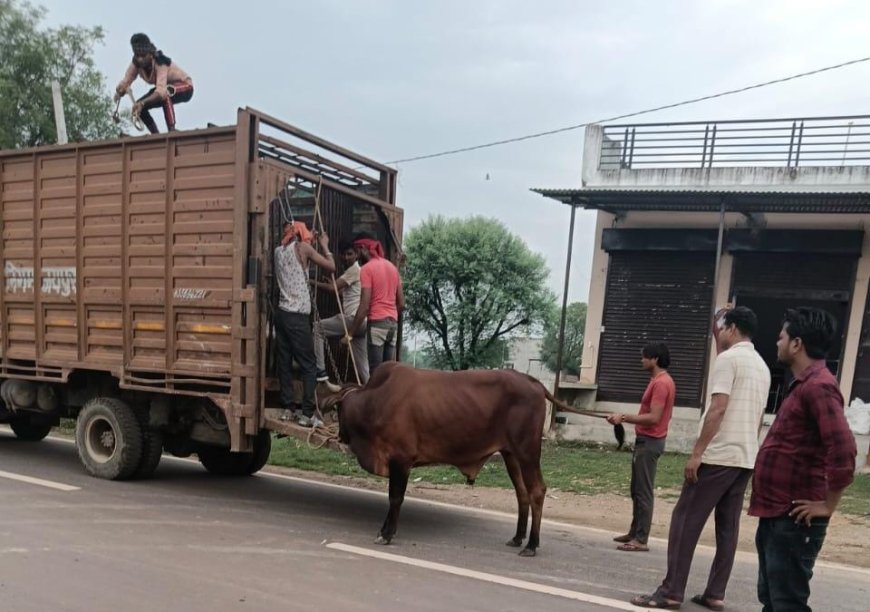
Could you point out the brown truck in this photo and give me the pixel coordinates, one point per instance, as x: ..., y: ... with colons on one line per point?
x: 139, y: 292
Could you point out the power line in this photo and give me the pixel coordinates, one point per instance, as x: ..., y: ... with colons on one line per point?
x: 569, y: 128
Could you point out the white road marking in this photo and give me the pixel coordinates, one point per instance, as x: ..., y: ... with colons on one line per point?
x: 58, y: 486
x: 485, y: 577
x: 741, y: 555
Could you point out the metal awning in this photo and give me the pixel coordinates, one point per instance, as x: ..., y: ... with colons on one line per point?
x: 622, y: 200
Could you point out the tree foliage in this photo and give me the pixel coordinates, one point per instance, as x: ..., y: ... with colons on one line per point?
x: 575, y: 328
x: 469, y: 285
x: 31, y: 57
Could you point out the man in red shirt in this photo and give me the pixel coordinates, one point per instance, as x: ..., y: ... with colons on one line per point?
x: 803, y: 466
x: 381, y: 301
x: 651, y: 428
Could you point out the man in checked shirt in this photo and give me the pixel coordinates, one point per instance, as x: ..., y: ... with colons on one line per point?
x: 803, y: 466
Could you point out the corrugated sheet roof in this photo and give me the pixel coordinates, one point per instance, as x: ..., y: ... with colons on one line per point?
x: 710, y: 200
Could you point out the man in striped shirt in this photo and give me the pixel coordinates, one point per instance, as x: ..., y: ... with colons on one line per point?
x: 803, y: 466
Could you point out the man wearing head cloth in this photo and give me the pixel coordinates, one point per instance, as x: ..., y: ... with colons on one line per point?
x: 171, y: 84
x: 381, y: 301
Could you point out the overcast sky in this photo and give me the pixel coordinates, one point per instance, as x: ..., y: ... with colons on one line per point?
x: 398, y: 78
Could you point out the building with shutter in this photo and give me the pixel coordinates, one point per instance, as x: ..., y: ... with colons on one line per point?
x: 769, y: 214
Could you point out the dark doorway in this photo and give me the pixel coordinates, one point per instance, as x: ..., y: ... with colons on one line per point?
x: 770, y: 311
x: 861, y: 384
x: 771, y: 283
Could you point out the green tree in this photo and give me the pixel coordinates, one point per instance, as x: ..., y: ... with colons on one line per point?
x: 575, y: 328
x: 469, y: 285
x: 31, y: 57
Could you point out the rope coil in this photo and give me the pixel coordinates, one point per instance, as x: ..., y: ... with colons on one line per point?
x: 116, y: 116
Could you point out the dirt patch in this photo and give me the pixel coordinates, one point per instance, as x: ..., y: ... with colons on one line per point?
x: 845, y: 542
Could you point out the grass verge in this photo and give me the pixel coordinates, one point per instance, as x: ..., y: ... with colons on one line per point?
x: 578, y: 468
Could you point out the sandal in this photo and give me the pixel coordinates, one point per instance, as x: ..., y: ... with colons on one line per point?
x: 633, y: 547
x: 656, y: 600
x: 705, y: 602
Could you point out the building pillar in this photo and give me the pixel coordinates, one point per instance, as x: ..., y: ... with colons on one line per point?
x: 856, y: 320
x: 595, y: 302
x: 724, y: 277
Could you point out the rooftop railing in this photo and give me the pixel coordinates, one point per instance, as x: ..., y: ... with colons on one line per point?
x: 789, y: 143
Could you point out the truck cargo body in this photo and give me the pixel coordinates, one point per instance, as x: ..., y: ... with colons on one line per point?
x: 140, y: 269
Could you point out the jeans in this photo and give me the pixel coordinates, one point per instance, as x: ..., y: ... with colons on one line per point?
x: 333, y: 327
x: 294, y: 341
x: 644, y: 461
x: 381, y: 342
x: 786, y: 555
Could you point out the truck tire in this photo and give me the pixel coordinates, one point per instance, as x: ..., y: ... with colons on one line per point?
x: 262, y: 449
x: 152, y: 451
x: 222, y: 462
x: 109, y: 439
x: 28, y: 431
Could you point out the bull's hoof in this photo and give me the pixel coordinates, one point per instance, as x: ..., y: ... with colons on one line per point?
x: 515, y: 542
x: 382, y: 540
x: 528, y: 552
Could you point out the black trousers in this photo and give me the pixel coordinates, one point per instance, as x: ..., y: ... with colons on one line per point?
x: 183, y: 93
x: 294, y: 340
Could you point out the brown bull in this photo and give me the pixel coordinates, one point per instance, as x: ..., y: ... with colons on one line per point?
x: 405, y: 418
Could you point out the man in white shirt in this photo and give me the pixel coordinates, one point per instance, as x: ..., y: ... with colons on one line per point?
x: 349, y: 286
x: 720, y: 466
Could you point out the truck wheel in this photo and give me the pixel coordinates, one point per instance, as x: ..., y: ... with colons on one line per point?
x: 262, y: 449
x: 221, y: 461
x: 152, y: 451
x: 28, y: 431
x: 109, y: 438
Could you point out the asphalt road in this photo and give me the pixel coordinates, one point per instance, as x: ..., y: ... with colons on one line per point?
x: 188, y: 541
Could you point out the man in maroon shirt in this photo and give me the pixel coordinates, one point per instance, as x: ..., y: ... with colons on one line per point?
x: 651, y: 428
x: 803, y: 466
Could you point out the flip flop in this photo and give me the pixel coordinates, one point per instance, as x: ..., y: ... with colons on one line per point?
x: 632, y: 547
x: 705, y: 603
x: 623, y: 538
x: 656, y: 600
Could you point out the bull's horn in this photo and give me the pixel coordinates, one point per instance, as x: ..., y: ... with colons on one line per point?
x: 332, y: 388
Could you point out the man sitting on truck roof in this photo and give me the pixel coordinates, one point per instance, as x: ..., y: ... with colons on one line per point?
x: 293, y: 318
x: 172, y: 85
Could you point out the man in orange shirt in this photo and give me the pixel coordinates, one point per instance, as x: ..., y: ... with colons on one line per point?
x: 381, y: 301
x: 651, y: 428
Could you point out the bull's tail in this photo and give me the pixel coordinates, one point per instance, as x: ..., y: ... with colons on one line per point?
x: 618, y: 430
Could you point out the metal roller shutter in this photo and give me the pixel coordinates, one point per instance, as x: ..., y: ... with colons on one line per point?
x: 655, y: 296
